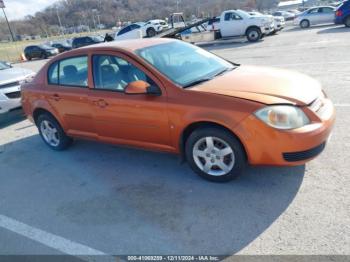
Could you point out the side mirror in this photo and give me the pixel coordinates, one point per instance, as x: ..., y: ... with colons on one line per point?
x: 141, y: 88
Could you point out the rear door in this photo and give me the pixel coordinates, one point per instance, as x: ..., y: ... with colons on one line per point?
x: 68, y: 95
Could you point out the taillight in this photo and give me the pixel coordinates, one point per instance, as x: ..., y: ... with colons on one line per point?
x: 339, y: 13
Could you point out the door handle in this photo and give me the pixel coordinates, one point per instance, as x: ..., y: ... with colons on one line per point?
x: 56, y: 97
x: 101, y: 103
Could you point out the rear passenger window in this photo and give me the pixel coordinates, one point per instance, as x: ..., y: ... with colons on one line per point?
x: 69, y: 72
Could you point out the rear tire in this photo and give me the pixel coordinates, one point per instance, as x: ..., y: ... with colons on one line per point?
x: 253, y: 34
x: 305, y: 24
x: 215, y: 154
x: 52, y: 133
x: 347, y: 21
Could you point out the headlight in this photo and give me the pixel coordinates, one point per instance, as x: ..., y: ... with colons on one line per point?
x: 283, y: 116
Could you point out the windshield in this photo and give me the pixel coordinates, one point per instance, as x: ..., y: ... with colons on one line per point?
x: 183, y: 63
x: 4, y: 65
x: 45, y: 46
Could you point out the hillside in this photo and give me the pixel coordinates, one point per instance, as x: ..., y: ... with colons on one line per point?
x: 73, y: 13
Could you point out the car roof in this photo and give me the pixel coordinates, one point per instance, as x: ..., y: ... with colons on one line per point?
x: 130, y: 45
x: 314, y: 7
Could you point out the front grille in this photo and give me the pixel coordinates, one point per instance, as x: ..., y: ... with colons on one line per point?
x: 304, y: 155
x: 10, y: 85
x: 13, y: 95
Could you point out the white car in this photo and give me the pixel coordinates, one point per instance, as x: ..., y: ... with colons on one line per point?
x: 278, y: 21
x: 315, y: 16
x: 11, y: 79
x: 285, y: 14
x: 240, y: 23
x: 158, y: 22
x: 138, y: 30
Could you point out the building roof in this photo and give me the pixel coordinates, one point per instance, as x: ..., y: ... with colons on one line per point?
x: 291, y: 2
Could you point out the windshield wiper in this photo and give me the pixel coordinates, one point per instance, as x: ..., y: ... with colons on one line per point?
x: 224, y: 71
x: 197, y: 82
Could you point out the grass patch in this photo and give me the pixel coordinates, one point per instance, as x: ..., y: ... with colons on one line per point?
x: 12, y: 51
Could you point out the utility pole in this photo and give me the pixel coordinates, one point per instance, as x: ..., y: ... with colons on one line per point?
x: 2, y: 6
x: 177, y: 5
x: 59, y: 20
x: 93, y: 19
x: 98, y: 19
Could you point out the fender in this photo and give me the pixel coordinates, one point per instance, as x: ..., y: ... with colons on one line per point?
x: 44, y: 105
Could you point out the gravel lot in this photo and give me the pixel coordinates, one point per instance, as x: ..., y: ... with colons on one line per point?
x: 124, y: 201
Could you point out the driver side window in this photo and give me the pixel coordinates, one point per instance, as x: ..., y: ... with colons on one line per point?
x: 313, y: 11
x: 232, y: 16
x: 114, y: 73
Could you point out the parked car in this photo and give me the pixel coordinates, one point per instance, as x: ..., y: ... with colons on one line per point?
x: 138, y: 30
x: 241, y: 23
x: 287, y: 15
x: 342, y: 14
x: 62, y: 47
x: 294, y: 11
x: 315, y: 16
x: 278, y: 21
x: 86, y: 40
x: 39, y: 51
x: 11, y: 79
x: 168, y: 95
x: 159, y: 22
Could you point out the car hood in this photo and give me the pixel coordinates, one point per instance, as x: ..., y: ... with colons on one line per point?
x: 14, y: 74
x: 265, y: 85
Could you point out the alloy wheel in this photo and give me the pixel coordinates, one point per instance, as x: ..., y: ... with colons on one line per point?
x: 49, y: 133
x: 213, y: 156
x: 253, y: 35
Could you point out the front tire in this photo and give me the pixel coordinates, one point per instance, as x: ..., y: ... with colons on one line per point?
x: 305, y: 24
x: 52, y: 133
x: 253, y: 34
x: 215, y: 154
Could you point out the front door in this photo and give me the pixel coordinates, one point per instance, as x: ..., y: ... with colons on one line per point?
x: 139, y: 120
x: 327, y: 15
x: 233, y: 25
x: 68, y: 95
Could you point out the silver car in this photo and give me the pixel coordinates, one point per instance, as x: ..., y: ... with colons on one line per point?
x: 11, y: 79
x: 315, y: 16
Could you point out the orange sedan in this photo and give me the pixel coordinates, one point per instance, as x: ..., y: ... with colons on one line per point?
x: 167, y: 95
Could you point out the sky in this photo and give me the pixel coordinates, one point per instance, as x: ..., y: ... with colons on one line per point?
x: 17, y: 9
